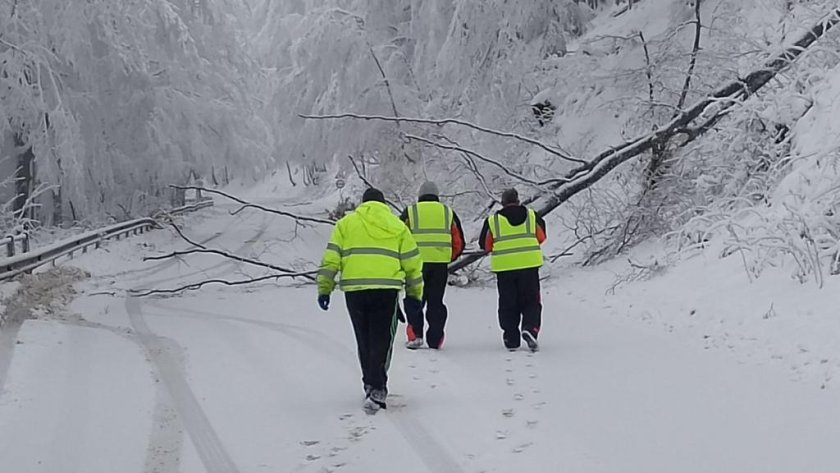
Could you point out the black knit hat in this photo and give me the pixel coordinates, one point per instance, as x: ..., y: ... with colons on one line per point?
x: 373, y: 194
x: 510, y: 196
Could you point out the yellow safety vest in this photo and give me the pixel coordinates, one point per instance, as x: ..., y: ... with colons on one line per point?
x: 372, y: 249
x: 514, y: 247
x: 431, y: 225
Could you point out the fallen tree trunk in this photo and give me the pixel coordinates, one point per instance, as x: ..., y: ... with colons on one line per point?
x: 721, y: 101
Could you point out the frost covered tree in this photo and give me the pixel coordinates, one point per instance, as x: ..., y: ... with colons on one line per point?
x: 111, y: 101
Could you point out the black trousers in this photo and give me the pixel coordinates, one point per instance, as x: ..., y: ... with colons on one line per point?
x: 374, y: 317
x: 520, y: 305
x: 435, y: 276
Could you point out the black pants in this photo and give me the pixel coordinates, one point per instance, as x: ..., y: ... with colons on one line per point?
x: 519, y: 304
x: 374, y: 317
x: 435, y: 276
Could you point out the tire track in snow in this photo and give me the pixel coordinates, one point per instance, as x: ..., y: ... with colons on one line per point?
x: 433, y: 454
x: 176, y: 405
x: 8, y: 339
x: 207, y: 443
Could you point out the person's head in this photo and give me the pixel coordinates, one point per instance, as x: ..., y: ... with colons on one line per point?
x: 373, y: 194
x: 510, y: 197
x: 428, y: 188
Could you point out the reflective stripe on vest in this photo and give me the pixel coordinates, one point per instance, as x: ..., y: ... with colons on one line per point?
x: 431, y: 225
x: 515, y: 246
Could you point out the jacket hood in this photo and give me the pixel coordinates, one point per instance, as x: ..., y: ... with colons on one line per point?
x: 515, y: 214
x: 379, y: 222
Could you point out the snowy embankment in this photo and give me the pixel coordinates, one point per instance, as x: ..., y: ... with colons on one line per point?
x: 258, y: 379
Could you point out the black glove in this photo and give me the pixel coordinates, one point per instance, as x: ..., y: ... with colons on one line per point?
x: 324, y: 301
x: 413, y: 307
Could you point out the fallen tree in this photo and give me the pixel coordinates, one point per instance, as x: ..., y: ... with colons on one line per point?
x: 704, y: 115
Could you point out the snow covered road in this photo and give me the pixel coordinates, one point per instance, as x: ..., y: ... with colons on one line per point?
x: 258, y: 379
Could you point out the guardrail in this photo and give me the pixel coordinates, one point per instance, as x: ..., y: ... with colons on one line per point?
x: 12, y: 240
x: 26, y: 262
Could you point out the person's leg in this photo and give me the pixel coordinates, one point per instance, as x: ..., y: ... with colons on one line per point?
x: 531, y: 300
x: 358, y: 317
x: 531, y: 303
x: 382, y: 305
x: 414, y: 322
x: 508, y: 308
x: 435, y: 276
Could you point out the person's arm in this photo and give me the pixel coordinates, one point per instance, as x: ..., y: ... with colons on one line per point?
x: 331, y: 263
x: 412, y: 265
x: 458, y: 240
x: 540, y: 229
x: 485, y: 238
x: 404, y: 215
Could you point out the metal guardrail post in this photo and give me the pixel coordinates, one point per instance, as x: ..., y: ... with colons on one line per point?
x: 10, y: 246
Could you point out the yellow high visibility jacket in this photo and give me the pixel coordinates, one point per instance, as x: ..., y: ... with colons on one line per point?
x: 431, y: 225
x: 372, y: 249
x: 514, y: 247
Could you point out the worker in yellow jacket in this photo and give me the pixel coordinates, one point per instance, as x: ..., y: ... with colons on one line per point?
x: 377, y: 257
x: 513, y: 236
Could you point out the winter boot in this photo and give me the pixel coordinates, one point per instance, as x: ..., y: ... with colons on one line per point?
x: 530, y: 340
x: 378, y: 396
x: 370, y: 406
x: 414, y: 342
x: 511, y: 341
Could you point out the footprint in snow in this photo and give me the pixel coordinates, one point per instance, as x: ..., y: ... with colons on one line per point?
x: 518, y: 397
x: 531, y: 424
x: 357, y: 433
x: 509, y: 381
x: 507, y: 412
x: 501, y: 435
x: 522, y: 447
x: 539, y: 405
x: 312, y: 458
x: 309, y: 443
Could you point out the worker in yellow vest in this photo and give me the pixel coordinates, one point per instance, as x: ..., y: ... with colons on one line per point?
x: 513, y: 236
x: 377, y: 257
x: 440, y: 238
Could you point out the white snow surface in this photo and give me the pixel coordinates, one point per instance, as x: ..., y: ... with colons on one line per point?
x: 691, y: 370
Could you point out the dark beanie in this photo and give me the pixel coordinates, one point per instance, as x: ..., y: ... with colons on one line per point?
x: 510, y: 196
x: 373, y: 194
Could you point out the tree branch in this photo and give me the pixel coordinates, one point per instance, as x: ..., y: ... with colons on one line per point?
x: 505, y: 169
x: 387, y: 83
x: 200, y: 284
x: 453, y: 121
x: 225, y: 254
x: 695, y: 48
x: 246, y: 204
x: 368, y: 183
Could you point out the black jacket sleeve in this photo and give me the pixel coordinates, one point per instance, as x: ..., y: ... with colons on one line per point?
x: 482, y: 238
